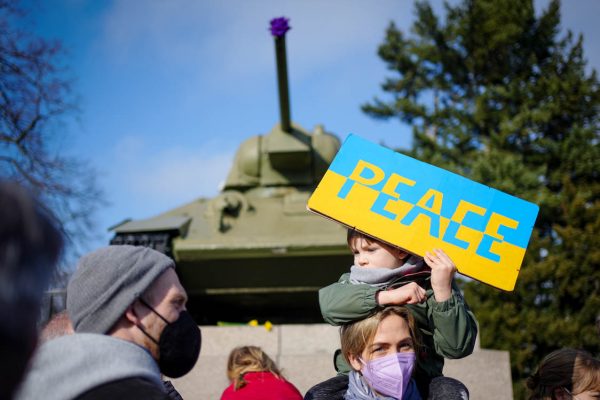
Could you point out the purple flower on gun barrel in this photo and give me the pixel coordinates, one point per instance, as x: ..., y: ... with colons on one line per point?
x: 279, y: 26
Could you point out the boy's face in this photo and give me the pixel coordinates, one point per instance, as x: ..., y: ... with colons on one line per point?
x: 374, y: 254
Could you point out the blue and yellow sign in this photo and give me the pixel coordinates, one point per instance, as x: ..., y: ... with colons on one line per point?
x: 419, y: 207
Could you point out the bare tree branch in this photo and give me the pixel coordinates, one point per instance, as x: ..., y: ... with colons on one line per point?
x: 35, y: 99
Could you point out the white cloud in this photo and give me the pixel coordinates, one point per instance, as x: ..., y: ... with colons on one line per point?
x: 128, y: 145
x: 181, y: 174
x: 158, y: 178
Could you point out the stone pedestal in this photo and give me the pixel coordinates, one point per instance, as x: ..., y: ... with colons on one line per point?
x: 305, y: 355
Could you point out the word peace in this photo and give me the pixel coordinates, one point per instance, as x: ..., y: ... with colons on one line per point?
x: 429, y: 205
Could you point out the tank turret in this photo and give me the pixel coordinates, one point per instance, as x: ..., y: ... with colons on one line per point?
x: 288, y: 155
x: 254, y: 251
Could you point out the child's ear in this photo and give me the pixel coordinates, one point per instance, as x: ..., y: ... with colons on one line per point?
x: 401, y: 254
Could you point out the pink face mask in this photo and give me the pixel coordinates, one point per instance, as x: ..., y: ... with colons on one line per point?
x: 391, y: 374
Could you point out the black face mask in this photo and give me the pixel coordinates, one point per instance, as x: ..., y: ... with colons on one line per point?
x: 179, y: 344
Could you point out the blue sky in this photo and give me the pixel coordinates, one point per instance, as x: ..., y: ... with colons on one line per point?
x: 169, y: 89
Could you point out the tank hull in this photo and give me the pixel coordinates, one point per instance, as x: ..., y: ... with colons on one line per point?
x: 278, y: 289
x: 266, y: 258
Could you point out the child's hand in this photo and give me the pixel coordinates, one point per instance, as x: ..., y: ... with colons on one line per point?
x: 411, y: 293
x: 442, y: 273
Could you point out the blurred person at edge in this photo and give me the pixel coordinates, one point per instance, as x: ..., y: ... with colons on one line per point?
x: 30, y: 246
x: 254, y: 375
x: 566, y: 374
x: 128, y: 310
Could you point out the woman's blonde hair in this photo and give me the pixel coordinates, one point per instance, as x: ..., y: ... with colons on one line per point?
x: 246, y: 359
x: 571, y: 369
x: 355, y: 337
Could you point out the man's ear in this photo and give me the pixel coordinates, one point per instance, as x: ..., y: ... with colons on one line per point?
x: 355, y: 363
x: 131, y: 315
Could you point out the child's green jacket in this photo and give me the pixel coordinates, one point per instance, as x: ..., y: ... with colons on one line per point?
x: 448, y: 329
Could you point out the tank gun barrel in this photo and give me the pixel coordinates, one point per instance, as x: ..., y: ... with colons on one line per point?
x: 279, y: 26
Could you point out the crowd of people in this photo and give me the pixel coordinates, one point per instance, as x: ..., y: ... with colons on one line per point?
x: 126, y: 328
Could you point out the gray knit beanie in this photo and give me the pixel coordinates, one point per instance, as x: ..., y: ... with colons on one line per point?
x: 109, y: 280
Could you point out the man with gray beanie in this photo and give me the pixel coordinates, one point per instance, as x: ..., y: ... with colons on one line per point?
x: 127, y: 308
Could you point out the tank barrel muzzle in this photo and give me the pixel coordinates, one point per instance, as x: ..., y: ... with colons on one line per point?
x: 279, y: 26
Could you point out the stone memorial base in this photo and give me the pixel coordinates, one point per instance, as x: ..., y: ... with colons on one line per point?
x: 305, y: 355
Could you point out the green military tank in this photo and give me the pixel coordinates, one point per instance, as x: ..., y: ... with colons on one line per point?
x: 254, y: 251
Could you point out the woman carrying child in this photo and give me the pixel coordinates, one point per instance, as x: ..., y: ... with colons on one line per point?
x: 382, y: 350
x: 384, y: 275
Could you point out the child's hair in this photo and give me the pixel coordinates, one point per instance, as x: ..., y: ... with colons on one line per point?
x: 574, y: 370
x: 356, y: 336
x: 354, y: 234
x: 249, y: 359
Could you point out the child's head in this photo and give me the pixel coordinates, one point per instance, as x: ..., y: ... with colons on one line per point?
x: 565, y: 373
x: 372, y: 253
x: 248, y: 359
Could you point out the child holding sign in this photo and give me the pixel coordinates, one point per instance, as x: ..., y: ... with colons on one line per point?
x: 385, y: 275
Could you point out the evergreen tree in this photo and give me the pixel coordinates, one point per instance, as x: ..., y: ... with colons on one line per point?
x: 496, y: 94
